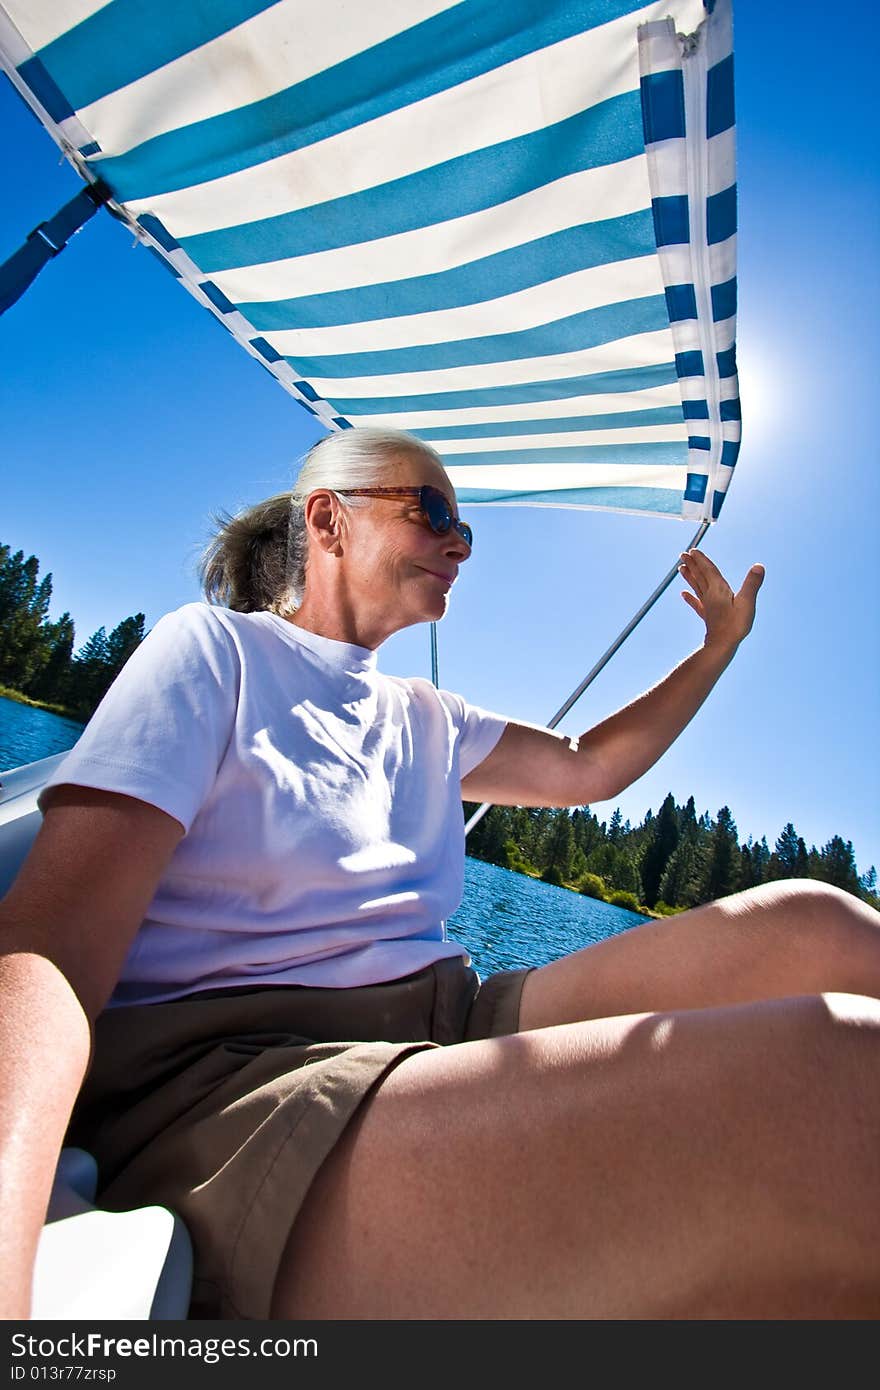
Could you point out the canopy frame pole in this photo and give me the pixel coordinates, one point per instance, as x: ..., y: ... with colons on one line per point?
x: 604, y: 659
x: 435, y: 667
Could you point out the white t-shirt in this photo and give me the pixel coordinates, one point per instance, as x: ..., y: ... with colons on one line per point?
x: 321, y: 802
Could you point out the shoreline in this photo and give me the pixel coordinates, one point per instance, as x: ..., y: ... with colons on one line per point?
x: 536, y: 877
x: 7, y: 693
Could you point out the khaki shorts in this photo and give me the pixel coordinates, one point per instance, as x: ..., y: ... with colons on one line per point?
x: 223, y: 1106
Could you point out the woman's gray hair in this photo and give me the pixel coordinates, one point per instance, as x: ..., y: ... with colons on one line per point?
x: 257, y: 559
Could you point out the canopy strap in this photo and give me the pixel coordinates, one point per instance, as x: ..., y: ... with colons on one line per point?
x: 604, y: 659
x: 46, y: 241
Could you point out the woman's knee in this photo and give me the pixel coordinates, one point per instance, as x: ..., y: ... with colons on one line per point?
x: 816, y: 922
x: 808, y: 897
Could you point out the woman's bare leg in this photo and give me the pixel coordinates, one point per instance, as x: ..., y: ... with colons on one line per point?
x: 720, y: 1163
x: 792, y: 937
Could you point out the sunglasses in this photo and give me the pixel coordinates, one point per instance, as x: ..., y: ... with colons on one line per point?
x: 432, y: 503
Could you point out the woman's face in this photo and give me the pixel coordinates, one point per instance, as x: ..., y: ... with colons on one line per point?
x: 400, y: 570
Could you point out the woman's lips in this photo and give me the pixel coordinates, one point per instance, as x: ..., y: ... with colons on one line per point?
x: 448, y: 579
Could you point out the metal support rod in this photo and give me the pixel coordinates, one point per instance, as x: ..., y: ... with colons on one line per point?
x: 604, y: 659
x: 435, y: 676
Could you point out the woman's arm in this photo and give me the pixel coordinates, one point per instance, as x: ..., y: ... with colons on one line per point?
x: 530, y: 766
x: 65, y: 928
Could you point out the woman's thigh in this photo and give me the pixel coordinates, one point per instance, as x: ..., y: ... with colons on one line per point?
x: 786, y: 938
x: 714, y: 1163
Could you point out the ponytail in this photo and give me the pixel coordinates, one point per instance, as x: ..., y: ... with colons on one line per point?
x: 247, y: 565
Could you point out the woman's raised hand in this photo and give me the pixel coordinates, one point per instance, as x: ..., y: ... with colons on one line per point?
x: 728, y: 616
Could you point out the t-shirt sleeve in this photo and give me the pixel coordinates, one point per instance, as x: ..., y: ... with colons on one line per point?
x: 479, y: 730
x: 161, y: 731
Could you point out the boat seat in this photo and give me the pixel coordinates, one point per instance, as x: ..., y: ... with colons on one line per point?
x: 99, y: 1265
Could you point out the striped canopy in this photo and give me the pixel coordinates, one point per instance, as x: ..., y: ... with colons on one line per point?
x: 509, y: 228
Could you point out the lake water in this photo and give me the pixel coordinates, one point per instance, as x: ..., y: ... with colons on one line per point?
x: 27, y: 734
x: 505, y: 919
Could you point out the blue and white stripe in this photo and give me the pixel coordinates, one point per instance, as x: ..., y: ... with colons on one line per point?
x: 507, y: 228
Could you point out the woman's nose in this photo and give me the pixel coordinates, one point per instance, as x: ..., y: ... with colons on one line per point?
x: 457, y: 545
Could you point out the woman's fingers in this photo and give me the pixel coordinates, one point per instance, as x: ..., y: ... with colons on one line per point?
x: 727, y: 616
x: 689, y: 571
x: 702, y: 573
x: 693, y: 601
x: 699, y: 570
x: 745, y: 601
x: 752, y: 583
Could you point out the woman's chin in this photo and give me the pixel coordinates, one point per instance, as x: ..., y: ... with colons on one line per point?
x: 431, y: 598
x: 435, y: 609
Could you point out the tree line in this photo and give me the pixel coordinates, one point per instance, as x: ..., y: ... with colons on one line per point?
x: 37, y: 656
x: 673, y: 861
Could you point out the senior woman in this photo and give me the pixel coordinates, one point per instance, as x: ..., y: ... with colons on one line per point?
x: 236, y: 900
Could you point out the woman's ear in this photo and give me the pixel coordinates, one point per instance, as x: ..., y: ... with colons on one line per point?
x: 323, y: 518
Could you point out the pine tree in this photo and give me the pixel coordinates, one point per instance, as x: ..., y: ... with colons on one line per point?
x: 520, y: 826
x: 586, y: 829
x: 578, y: 864
x: 749, y: 875
x: 488, y: 837
x: 679, y: 886
x: 760, y: 859
x: 125, y: 638
x: 97, y: 664
x: 721, y: 874
x: 558, y: 846
x: 789, y: 857
x: 868, y: 887
x: 618, y: 868
x: 49, y: 684
x: 659, y: 849
x: 537, y: 824
x: 838, y: 865
x: 24, y: 606
x: 86, y: 676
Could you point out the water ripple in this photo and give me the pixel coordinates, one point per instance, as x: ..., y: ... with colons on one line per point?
x: 27, y: 734
x: 508, y: 920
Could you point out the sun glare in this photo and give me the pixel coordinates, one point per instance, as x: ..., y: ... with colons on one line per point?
x: 767, y: 397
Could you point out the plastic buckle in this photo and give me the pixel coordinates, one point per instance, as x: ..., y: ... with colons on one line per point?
x: 44, y: 237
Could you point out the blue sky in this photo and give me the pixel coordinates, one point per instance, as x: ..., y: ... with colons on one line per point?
x: 129, y: 416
